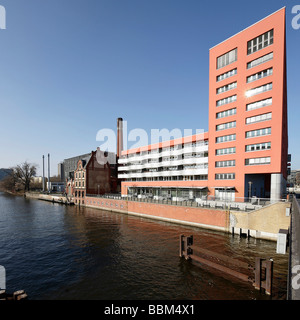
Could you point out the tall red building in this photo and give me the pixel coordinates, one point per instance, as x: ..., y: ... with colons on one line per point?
x: 248, y: 140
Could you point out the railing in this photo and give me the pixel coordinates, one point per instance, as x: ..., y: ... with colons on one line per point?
x: 241, y: 204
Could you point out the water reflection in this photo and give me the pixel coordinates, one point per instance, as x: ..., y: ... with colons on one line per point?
x: 82, y: 253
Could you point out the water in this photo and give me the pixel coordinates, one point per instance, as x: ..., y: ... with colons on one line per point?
x: 54, y: 251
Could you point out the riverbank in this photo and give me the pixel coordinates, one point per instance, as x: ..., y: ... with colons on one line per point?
x: 48, y: 197
x: 13, y: 193
x: 263, y: 223
x: 58, y: 252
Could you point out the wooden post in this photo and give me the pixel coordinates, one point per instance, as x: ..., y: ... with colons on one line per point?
x: 257, y: 273
x: 181, y: 245
x: 267, y: 282
x: 264, y: 275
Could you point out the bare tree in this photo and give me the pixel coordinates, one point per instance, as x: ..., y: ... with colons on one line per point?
x: 8, y: 183
x: 297, y: 179
x: 23, y: 173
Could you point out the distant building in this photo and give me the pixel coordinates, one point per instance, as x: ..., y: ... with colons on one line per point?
x: 101, y: 175
x: 60, y: 171
x: 4, y: 173
x: 79, y: 185
x: 292, y: 178
x: 70, y: 165
x: 57, y: 187
x: 37, y: 179
x: 97, y: 176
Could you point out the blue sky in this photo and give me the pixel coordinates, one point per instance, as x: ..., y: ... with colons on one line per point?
x: 70, y: 68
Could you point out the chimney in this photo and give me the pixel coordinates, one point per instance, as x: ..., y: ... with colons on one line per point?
x: 43, y: 173
x: 49, y: 172
x: 119, y: 137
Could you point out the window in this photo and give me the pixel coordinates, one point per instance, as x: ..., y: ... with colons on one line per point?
x: 259, y: 104
x: 228, y: 163
x: 227, y: 74
x: 225, y: 176
x: 226, y: 113
x: 257, y: 161
x: 227, y: 58
x: 258, y: 90
x: 260, y: 75
x: 259, y: 118
x: 258, y: 133
x: 258, y: 147
x: 260, y: 42
x: 220, y: 152
x: 227, y: 87
x: 227, y: 125
x: 260, y: 60
x: 226, y: 100
x: 230, y: 137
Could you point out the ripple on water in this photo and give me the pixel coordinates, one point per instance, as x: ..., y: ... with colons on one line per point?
x: 59, y: 252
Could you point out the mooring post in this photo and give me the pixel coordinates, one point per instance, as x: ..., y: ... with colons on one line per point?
x: 181, y: 245
x: 184, y: 244
x: 264, y: 275
x: 267, y: 283
x: 257, y: 274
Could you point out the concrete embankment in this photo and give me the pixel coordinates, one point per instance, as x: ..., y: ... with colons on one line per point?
x: 46, y: 197
x: 264, y: 223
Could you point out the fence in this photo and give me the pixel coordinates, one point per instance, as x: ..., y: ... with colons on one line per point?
x: 242, y: 204
x: 260, y: 275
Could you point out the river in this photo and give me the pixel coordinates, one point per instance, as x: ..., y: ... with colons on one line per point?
x: 58, y: 252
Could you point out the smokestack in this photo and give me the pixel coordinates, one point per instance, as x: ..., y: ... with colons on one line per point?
x: 119, y: 137
x: 49, y: 172
x: 43, y: 173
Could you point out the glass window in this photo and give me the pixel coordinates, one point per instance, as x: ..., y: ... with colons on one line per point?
x: 258, y: 90
x: 226, y: 100
x: 227, y: 58
x: 260, y: 60
x: 260, y: 42
x: 227, y: 74
x: 227, y: 125
x: 259, y: 104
